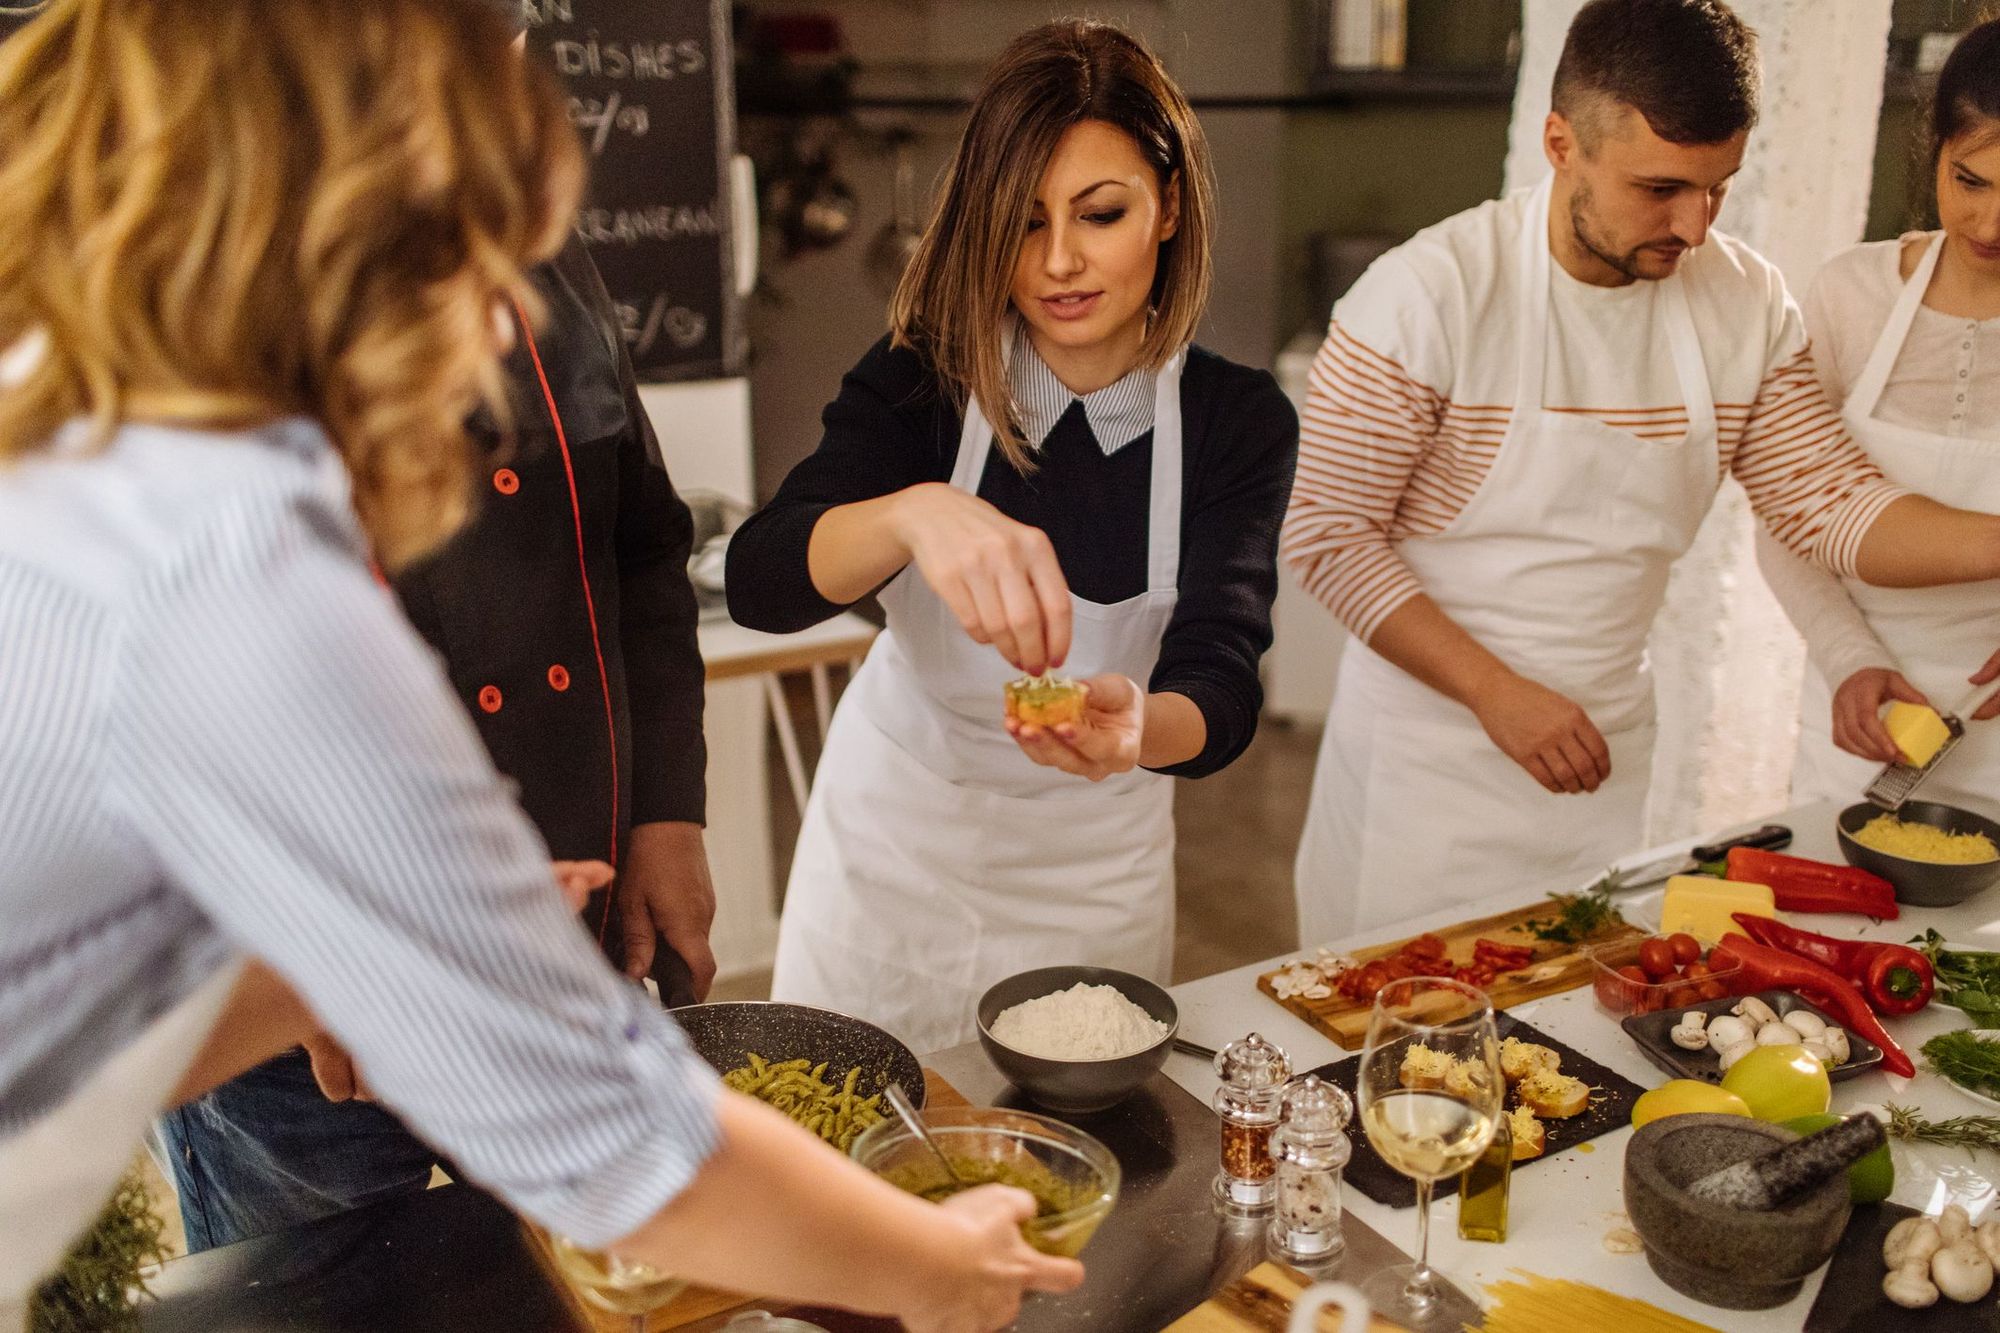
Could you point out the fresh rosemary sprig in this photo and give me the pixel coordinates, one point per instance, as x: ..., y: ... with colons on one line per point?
x: 101, y: 1280
x: 1965, y: 1131
x: 1582, y: 915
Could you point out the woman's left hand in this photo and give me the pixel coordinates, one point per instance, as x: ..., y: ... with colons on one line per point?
x: 1105, y: 740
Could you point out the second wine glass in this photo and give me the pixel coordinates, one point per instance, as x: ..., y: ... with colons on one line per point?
x: 1431, y: 1097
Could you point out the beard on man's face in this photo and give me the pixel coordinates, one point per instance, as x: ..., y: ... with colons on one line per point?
x: 1647, y: 262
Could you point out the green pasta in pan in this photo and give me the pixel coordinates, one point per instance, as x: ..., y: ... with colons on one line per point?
x: 799, y: 1089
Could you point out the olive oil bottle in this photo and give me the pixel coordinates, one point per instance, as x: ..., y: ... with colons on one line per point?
x: 1482, y: 1190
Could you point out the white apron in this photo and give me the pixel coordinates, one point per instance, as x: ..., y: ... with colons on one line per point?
x: 935, y: 858
x: 58, y: 1173
x: 1558, y: 565
x: 1937, y: 636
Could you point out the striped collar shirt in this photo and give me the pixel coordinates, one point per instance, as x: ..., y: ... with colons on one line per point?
x: 1118, y: 413
x: 219, y: 737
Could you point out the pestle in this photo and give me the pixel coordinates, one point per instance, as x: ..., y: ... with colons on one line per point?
x: 1789, y: 1170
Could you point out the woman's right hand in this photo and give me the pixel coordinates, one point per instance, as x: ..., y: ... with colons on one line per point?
x: 986, y: 1266
x: 999, y: 577
x: 1546, y: 733
x: 1857, y: 712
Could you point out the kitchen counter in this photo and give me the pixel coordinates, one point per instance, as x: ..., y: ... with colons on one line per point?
x: 1560, y: 1210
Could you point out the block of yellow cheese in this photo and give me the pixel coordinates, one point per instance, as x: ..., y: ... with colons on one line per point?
x: 1918, y: 731
x: 1702, y: 906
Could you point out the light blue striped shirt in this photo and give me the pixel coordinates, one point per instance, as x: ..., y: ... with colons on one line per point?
x: 218, y: 736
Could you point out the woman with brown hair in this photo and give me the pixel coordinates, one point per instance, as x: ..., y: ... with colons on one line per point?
x: 253, y: 286
x: 1906, y: 342
x: 1045, y: 475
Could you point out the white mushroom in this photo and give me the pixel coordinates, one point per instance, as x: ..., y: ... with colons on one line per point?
x: 1912, y: 1241
x: 1988, y: 1238
x: 1687, y: 1033
x: 1954, y: 1224
x: 1910, y: 1287
x: 1727, y: 1031
x: 1776, y: 1034
x: 1961, y: 1272
x: 1805, y: 1022
x: 1729, y: 1055
x: 1819, y: 1051
x: 1836, y: 1041
x: 1755, y: 1012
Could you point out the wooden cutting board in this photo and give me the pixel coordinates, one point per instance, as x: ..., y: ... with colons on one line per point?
x: 1261, y: 1302
x: 1556, y: 968
x: 697, y: 1303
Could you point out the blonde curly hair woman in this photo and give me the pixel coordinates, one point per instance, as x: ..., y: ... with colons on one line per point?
x: 254, y: 257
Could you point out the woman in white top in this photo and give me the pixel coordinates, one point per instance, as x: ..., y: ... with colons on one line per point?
x: 1906, y: 339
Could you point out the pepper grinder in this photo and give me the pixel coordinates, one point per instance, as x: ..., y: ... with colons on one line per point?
x: 1254, y: 1073
x: 1311, y: 1148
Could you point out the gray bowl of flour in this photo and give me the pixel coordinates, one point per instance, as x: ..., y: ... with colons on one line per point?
x: 1074, y: 1050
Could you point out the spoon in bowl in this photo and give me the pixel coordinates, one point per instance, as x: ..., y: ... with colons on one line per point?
x: 899, y: 1101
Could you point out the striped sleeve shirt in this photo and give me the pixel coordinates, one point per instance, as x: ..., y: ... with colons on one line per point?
x: 1411, y: 394
x: 218, y: 737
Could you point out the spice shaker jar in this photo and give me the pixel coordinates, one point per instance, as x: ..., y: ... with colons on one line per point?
x: 1254, y: 1073
x: 1311, y: 1149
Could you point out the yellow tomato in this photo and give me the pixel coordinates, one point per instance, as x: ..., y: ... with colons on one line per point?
x: 1780, y: 1082
x: 1684, y: 1096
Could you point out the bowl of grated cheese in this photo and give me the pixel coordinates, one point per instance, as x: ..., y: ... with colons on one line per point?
x: 1936, y: 855
x: 1077, y: 1039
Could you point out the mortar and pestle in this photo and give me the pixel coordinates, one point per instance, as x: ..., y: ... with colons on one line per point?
x: 1735, y: 1212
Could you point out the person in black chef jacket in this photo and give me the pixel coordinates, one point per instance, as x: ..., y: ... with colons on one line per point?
x: 566, y: 621
x: 1037, y: 471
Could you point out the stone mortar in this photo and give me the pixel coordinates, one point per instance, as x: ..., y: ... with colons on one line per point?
x: 1733, y: 1258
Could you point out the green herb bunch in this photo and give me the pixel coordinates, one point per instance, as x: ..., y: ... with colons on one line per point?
x: 1967, y: 1060
x: 1579, y: 915
x: 96, y: 1288
x: 1968, y: 980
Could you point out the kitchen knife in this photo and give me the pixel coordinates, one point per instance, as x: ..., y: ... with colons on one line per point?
x: 1771, y: 837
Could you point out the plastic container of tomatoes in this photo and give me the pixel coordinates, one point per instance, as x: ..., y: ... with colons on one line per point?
x: 1645, y: 975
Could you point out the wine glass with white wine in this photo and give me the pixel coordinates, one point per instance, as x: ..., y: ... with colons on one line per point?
x: 612, y: 1282
x: 1429, y: 1115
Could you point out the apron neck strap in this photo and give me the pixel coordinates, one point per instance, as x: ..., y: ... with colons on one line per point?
x: 1874, y: 377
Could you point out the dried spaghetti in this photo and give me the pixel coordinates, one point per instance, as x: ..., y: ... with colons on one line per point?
x: 1539, y: 1304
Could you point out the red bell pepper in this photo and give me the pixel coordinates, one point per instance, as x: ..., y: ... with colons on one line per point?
x: 1894, y: 978
x: 1766, y: 968
x: 1813, y: 886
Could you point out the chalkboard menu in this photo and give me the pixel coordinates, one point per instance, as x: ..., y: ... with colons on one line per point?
x: 650, y: 90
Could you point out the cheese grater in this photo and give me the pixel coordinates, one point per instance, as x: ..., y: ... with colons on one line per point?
x: 1894, y: 784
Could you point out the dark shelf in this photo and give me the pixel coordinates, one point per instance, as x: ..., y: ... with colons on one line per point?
x: 1330, y: 90
x: 1337, y: 86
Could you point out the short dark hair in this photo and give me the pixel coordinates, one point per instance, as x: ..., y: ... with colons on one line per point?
x: 1968, y: 89
x: 1688, y: 66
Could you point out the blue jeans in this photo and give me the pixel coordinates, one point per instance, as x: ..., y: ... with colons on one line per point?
x: 267, y: 1151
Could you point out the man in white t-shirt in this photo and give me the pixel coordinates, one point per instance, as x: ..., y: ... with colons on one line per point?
x: 1517, y: 422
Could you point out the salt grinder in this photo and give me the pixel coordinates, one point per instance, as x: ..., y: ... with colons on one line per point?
x: 1254, y: 1073
x: 1311, y: 1148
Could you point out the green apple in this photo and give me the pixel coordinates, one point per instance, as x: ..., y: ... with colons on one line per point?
x: 1780, y: 1082
x: 1868, y: 1180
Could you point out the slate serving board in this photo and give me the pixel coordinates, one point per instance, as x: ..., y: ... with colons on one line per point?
x: 1611, y: 1098
x: 1653, y: 1033
x: 1851, y: 1299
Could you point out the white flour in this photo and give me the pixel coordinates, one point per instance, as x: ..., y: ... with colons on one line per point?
x: 1082, y: 1023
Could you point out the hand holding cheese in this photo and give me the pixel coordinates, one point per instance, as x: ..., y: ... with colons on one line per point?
x: 1916, y: 731
x: 1857, y: 712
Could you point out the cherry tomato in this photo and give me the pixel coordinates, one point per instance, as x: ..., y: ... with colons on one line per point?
x: 1695, y: 971
x: 1657, y: 957
x: 1685, y: 946
x: 1680, y: 997
x: 1713, y: 990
